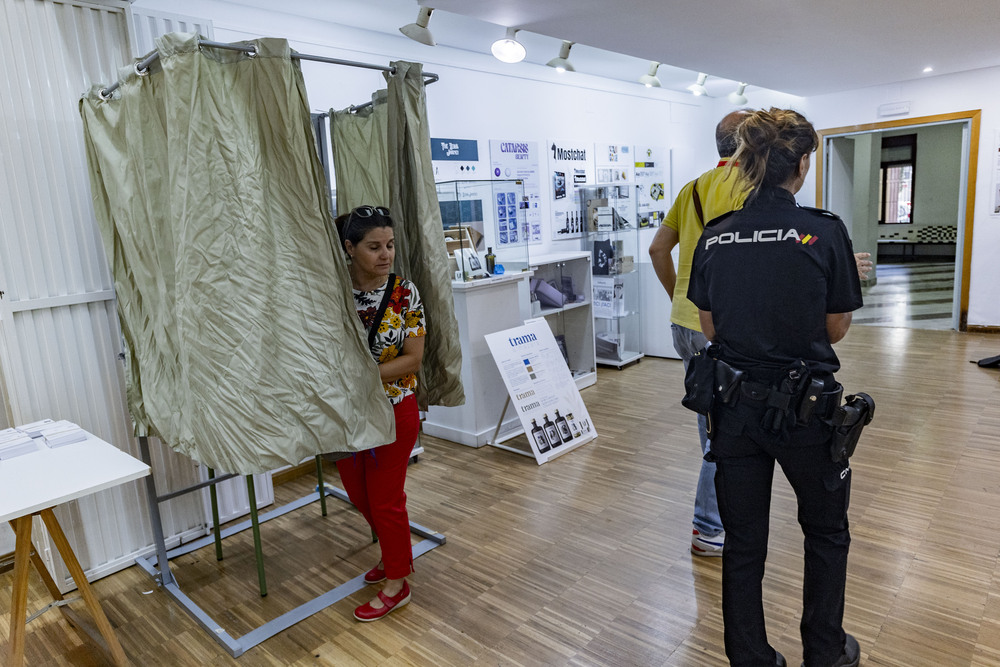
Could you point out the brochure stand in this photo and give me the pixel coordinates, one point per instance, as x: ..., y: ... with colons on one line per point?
x: 541, y: 387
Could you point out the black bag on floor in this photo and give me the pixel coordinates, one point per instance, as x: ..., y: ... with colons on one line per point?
x: 989, y: 362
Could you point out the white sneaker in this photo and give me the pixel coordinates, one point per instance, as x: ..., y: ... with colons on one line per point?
x: 703, y: 545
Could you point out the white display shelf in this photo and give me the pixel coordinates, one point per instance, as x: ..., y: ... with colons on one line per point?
x: 574, y: 322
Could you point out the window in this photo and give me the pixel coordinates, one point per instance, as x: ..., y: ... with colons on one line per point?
x: 896, y: 178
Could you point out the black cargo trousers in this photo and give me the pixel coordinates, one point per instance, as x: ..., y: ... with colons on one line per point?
x: 745, y: 453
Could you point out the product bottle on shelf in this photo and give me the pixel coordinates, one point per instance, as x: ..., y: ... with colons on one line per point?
x: 563, y: 428
x: 491, y: 261
x: 551, y: 432
x: 539, y: 435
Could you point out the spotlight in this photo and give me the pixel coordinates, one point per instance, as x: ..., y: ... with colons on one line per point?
x: 418, y: 31
x: 649, y: 79
x: 508, y: 49
x: 699, y: 87
x: 562, y: 63
x: 737, y: 97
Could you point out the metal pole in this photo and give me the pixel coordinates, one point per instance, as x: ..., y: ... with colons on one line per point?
x: 258, y: 552
x: 162, y: 563
x: 142, y: 67
x: 215, y: 515
x: 320, y: 486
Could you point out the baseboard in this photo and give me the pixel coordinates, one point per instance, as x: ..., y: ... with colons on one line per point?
x: 291, y: 473
x: 976, y: 328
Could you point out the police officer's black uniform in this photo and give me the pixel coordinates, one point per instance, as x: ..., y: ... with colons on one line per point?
x: 769, y: 274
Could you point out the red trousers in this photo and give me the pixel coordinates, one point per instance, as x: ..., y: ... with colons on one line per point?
x: 374, y: 479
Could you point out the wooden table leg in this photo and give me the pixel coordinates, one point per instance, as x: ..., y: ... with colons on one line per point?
x: 19, y: 601
x: 76, y: 571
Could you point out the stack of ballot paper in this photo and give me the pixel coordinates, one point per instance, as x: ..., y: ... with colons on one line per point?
x: 15, y: 443
x: 62, y: 432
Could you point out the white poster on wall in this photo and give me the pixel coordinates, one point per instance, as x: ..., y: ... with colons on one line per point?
x: 457, y: 160
x: 615, y: 168
x: 518, y: 161
x: 571, y: 166
x: 651, y: 178
x: 541, y: 389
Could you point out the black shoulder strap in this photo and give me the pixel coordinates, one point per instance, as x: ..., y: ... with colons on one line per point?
x: 697, y: 202
x: 390, y: 287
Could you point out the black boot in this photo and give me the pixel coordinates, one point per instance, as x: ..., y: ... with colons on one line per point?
x: 849, y: 657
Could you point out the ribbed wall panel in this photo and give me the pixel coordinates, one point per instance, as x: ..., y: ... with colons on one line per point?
x: 60, y: 361
x: 150, y: 24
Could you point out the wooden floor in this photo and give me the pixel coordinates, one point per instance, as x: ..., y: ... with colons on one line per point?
x: 585, y: 561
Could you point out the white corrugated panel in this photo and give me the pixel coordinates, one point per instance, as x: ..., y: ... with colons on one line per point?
x: 151, y: 24
x: 59, y: 337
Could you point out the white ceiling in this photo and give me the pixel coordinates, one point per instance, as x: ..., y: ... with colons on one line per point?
x: 801, y: 47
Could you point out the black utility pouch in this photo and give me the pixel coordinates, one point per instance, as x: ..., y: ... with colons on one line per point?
x: 810, y: 400
x: 727, y: 382
x: 849, y: 419
x: 699, y: 382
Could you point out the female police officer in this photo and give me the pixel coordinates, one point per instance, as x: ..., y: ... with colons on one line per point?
x: 775, y: 285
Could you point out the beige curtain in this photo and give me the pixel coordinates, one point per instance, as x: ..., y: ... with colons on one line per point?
x: 383, y: 156
x: 244, y: 349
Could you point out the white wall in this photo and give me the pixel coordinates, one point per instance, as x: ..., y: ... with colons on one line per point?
x: 480, y: 98
x: 979, y: 89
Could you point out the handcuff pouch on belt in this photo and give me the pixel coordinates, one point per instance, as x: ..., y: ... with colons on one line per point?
x: 848, y: 420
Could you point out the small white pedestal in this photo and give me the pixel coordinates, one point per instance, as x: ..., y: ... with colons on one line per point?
x: 481, y: 307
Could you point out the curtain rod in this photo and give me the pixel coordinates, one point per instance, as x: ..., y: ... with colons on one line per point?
x: 142, y: 67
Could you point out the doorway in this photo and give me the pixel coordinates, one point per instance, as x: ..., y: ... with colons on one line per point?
x: 922, y: 278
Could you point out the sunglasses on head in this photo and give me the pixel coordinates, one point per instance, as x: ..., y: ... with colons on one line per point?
x: 368, y: 211
x: 362, y: 212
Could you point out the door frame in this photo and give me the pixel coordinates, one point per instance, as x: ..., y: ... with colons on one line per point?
x: 972, y: 117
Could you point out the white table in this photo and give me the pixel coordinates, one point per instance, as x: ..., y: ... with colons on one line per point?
x: 34, y: 483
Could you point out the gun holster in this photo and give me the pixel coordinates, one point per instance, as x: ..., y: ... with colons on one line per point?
x: 848, y: 421
x: 727, y: 382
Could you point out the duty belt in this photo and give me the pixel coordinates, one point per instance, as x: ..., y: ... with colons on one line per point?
x: 795, y: 397
x: 819, y: 405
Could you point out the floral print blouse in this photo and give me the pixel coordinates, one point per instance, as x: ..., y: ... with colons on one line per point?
x: 404, y: 318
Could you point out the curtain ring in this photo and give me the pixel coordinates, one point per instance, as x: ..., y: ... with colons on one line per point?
x: 104, y: 97
x: 252, y: 53
x: 141, y: 72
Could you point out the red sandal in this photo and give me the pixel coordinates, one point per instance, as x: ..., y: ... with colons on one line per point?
x: 375, y: 575
x: 368, y: 613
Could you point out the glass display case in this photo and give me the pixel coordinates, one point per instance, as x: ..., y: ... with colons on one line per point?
x: 485, y: 227
x: 612, y: 237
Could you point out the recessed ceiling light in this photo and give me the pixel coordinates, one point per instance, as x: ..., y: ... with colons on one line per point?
x: 928, y: 69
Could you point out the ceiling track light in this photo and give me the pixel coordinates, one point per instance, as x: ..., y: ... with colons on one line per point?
x: 737, y: 97
x: 699, y: 87
x: 418, y: 31
x: 562, y: 63
x: 649, y: 79
x: 508, y: 49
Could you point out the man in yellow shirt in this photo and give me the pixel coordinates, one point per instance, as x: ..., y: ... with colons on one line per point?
x: 712, y: 194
